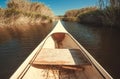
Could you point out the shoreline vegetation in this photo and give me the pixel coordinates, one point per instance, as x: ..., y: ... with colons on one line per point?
x: 106, y: 14
x: 23, y: 16
x: 25, y: 12
x: 86, y: 15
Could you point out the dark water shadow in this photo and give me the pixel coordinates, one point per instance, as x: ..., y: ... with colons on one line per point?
x: 15, y: 51
x: 101, y: 42
x: 78, y: 57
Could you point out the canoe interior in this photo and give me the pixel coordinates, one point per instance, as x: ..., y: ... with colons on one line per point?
x: 61, y: 57
x: 52, y: 68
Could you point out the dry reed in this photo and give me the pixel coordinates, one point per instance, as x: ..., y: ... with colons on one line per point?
x: 110, y: 12
x: 25, y: 12
x: 23, y: 18
x: 78, y: 14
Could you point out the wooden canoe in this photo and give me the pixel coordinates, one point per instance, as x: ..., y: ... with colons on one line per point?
x: 60, y: 56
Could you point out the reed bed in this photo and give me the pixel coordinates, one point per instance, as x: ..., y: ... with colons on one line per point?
x: 107, y: 13
x: 24, y: 19
x: 80, y: 15
x: 110, y: 10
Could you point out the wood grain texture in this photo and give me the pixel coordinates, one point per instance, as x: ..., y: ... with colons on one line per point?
x: 61, y: 57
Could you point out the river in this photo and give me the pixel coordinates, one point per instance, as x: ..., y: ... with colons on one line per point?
x: 101, y: 42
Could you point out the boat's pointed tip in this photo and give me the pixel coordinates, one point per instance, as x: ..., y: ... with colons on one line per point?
x: 59, y: 20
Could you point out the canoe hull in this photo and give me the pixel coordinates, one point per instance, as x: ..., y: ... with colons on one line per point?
x: 60, y: 56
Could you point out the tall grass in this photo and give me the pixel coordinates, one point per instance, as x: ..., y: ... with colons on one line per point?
x: 30, y: 7
x: 107, y: 14
x: 110, y: 12
x: 1, y: 16
x: 27, y: 6
x: 23, y: 18
x: 79, y: 14
x: 25, y: 12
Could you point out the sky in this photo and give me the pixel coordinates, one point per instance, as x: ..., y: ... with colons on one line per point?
x: 59, y: 7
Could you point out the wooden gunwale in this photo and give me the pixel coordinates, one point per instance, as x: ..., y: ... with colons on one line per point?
x: 21, y: 71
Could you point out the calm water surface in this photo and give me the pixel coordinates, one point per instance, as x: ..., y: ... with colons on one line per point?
x: 102, y: 43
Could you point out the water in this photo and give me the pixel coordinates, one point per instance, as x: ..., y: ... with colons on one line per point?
x: 15, y: 51
x: 102, y: 43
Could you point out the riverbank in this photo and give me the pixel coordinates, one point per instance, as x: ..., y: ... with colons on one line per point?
x: 25, y: 12
x: 86, y: 15
x: 21, y: 17
x: 107, y: 17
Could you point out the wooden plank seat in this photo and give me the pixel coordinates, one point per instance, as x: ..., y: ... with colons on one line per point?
x: 60, y: 57
x: 59, y: 67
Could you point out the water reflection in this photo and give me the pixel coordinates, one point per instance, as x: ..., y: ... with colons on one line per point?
x: 83, y: 33
x: 10, y: 55
x: 102, y: 42
x: 15, y: 51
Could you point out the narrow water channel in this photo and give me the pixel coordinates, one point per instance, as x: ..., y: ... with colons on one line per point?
x: 102, y: 43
